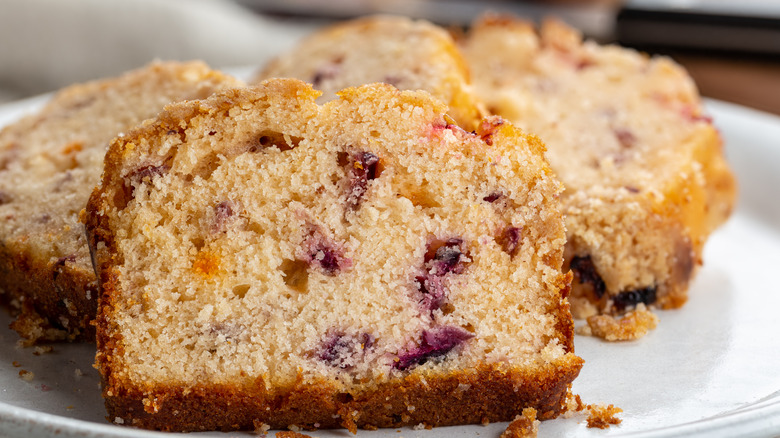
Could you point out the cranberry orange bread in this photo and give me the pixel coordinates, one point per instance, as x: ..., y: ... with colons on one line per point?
x: 410, y: 55
x: 49, y: 164
x: 646, y: 181
x: 265, y: 261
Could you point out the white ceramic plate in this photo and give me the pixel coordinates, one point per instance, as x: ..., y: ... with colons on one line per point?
x: 711, y: 369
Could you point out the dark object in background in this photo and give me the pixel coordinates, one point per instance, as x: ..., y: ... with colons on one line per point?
x: 740, y: 27
x: 731, y: 49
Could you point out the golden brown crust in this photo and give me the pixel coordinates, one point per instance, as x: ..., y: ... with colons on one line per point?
x: 523, y: 426
x: 291, y: 434
x: 43, y: 315
x: 488, y: 394
x: 601, y: 417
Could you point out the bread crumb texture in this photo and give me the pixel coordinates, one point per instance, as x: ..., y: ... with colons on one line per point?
x: 645, y: 176
x: 363, y: 263
x: 633, y: 325
x: 291, y: 434
x: 524, y: 425
x: 599, y: 416
x: 49, y: 163
x: 603, y: 416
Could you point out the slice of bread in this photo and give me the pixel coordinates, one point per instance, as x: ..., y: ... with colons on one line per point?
x: 408, y: 54
x: 49, y: 163
x: 265, y: 261
x: 646, y: 181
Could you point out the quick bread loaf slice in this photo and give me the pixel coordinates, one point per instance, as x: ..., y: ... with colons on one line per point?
x: 49, y: 163
x: 645, y: 176
x: 265, y: 261
x: 408, y: 54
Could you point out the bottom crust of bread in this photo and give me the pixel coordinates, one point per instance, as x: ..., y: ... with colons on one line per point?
x: 53, y: 303
x: 490, y: 393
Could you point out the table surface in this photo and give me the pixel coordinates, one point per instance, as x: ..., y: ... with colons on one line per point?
x: 748, y: 81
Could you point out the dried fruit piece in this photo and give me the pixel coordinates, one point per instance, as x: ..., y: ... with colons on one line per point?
x: 585, y: 272
x: 441, y: 259
x: 625, y: 137
x: 493, y: 197
x: 628, y: 299
x: 320, y: 251
x: 146, y: 174
x: 433, y: 343
x: 510, y: 240
x: 363, y: 167
x: 341, y: 350
x: 60, y: 264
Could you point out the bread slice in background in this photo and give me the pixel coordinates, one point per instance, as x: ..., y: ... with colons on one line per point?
x: 49, y: 163
x: 645, y: 178
x: 408, y: 54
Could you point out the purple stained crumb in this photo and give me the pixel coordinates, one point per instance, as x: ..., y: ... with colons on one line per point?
x: 145, y: 174
x: 510, y: 240
x: 327, y: 71
x: 148, y: 172
x: 447, y: 258
x: 631, y: 298
x: 363, y: 167
x: 585, y: 272
x: 322, y: 252
x: 625, y: 137
x: 393, y: 80
x: 433, y: 343
x: 584, y: 63
x: 433, y: 291
x: 441, y: 259
x: 326, y: 258
x: 341, y: 350
x: 223, y: 213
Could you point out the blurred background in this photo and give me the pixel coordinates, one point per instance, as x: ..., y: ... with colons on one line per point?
x: 731, y: 48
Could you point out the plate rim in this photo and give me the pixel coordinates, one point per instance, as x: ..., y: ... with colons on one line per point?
x: 756, y: 419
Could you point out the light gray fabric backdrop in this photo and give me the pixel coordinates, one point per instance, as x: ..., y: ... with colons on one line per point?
x: 47, y: 44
